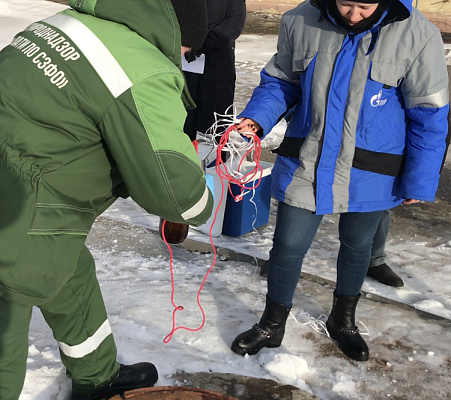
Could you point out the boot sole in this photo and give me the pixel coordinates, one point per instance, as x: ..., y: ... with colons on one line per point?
x: 117, y: 390
x: 242, y: 352
x: 363, y: 357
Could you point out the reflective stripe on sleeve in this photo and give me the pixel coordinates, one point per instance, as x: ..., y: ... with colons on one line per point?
x: 109, y: 70
x: 436, y: 100
x: 195, y: 210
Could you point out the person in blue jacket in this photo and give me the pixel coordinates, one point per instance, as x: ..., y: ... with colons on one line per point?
x: 369, y: 84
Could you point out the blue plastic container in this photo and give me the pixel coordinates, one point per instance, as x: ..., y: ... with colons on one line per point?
x: 253, y: 210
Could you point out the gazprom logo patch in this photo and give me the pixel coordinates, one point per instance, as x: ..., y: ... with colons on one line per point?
x: 376, y: 100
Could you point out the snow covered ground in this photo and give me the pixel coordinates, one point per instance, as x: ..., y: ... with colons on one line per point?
x: 409, y: 357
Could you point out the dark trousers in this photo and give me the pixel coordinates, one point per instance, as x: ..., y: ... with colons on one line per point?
x: 293, y: 236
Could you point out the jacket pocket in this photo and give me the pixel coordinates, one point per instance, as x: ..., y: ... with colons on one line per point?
x: 390, y: 75
x: 54, y: 219
x: 381, y: 124
x: 48, y: 254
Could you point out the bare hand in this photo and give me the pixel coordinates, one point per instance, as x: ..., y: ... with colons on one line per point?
x: 410, y: 201
x: 247, y: 127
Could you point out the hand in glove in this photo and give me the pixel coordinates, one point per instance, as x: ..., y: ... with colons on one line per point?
x: 191, y: 55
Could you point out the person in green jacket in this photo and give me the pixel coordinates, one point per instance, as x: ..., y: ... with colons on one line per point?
x: 92, y: 107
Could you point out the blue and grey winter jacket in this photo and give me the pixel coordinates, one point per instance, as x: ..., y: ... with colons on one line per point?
x: 370, y: 118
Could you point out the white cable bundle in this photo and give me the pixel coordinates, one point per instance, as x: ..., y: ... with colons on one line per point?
x: 236, y: 146
x: 242, y: 160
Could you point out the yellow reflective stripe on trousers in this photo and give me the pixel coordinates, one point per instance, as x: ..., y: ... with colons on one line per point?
x: 89, y: 345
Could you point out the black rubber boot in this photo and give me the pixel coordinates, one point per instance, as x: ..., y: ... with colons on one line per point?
x: 384, y: 274
x: 130, y: 377
x: 342, y: 328
x: 267, y: 333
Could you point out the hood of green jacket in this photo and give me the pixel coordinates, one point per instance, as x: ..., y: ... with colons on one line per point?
x: 154, y: 20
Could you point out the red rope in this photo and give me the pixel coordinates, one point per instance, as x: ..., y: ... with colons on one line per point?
x: 168, y: 337
x: 222, y: 172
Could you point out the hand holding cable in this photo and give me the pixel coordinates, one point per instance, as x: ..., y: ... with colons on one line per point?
x: 247, y: 127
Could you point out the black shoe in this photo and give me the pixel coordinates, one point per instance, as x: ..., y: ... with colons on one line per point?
x: 268, y: 332
x: 341, y: 327
x: 130, y: 377
x: 384, y: 274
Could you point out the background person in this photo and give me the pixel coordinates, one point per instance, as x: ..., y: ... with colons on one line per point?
x: 378, y: 268
x: 92, y: 107
x: 214, y: 89
x: 367, y: 134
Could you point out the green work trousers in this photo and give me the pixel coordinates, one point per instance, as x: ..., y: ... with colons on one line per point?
x: 76, y: 314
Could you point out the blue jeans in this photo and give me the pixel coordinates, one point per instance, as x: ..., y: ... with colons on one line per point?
x: 378, y: 248
x: 293, y: 235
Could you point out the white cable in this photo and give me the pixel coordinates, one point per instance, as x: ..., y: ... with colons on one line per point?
x: 319, y: 324
x: 366, y: 332
x: 236, y: 146
x: 251, y: 200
